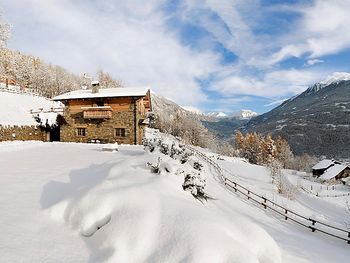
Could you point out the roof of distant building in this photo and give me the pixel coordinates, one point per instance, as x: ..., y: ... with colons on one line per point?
x: 104, y: 93
x: 324, y: 164
x: 333, y: 171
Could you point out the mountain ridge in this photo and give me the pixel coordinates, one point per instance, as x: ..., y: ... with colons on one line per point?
x: 316, y: 121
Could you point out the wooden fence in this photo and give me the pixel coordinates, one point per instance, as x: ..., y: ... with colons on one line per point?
x: 304, y: 221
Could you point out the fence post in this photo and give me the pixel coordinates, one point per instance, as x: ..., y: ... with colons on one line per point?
x: 349, y: 238
x: 313, y: 223
x: 235, y: 187
x: 286, y: 217
x: 248, y: 194
x: 264, y: 198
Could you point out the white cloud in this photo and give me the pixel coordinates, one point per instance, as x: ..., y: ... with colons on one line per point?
x: 311, y: 62
x: 322, y: 30
x: 275, y: 103
x: 133, y: 42
x: 126, y: 38
x: 277, y: 83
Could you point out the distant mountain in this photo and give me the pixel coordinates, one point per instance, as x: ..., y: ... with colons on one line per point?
x: 315, y: 122
x: 168, y: 108
x: 216, y: 114
x: 224, y: 125
x: 244, y: 114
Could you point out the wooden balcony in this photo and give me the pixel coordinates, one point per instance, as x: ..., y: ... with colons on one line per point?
x: 103, y: 112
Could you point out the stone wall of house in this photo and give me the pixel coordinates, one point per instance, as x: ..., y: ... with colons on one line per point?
x: 23, y: 133
x: 102, y: 129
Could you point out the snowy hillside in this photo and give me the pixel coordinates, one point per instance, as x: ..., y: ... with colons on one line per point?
x: 15, y: 108
x: 97, y: 206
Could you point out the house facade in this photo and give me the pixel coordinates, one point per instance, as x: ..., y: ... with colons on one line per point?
x: 104, y: 115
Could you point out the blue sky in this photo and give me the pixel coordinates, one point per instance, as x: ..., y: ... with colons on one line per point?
x: 215, y: 55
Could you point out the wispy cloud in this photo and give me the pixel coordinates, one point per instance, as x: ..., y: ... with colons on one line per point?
x: 141, y: 43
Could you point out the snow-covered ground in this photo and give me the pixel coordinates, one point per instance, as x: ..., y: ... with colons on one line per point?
x: 67, y: 202
x: 15, y: 108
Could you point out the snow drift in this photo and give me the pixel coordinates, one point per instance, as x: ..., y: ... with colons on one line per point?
x: 133, y: 215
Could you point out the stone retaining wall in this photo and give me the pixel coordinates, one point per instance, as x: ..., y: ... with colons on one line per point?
x: 24, y: 133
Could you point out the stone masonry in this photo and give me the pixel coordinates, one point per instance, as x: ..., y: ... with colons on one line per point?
x: 24, y: 133
x: 102, y: 129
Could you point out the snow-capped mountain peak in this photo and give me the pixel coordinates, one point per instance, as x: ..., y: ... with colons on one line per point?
x: 218, y: 114
x: 336, y: 77
x: 245, y: 114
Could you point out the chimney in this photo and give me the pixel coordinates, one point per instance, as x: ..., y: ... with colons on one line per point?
x: 95, y: 86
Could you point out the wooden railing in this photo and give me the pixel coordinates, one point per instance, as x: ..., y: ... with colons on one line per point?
x: 104, y: 112
x: 295, y: 217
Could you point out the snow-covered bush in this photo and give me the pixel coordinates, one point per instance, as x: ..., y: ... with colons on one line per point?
x: 195, y: 185
x: 155, y: 167
x: 198, y: 166
x: 46, y: 120
x: 172, y: 147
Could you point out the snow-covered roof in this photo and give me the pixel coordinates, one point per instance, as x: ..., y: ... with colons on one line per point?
x: 15, y: 108
x: 324, y: 164
x: 333, y: 171
x: 104, y: 93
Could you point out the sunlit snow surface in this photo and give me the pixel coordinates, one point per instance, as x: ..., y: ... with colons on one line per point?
x: 66, y: 202
x: 15, y: 109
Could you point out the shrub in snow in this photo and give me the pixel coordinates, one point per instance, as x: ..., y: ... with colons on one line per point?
x: 176, y: 150
x: 172, y: 147
x: 149, y: 144
x: 164, y: 148
x: 155, y: 167
x: 195, y: 185
x: 198, y: 166
x: 185, y: 156
x: 46, y: 120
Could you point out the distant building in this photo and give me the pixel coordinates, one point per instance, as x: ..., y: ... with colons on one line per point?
x: 330, y: 169
x: 106, y: 115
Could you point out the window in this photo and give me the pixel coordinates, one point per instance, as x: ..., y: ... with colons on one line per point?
x: 81, y: 131
x: 120, y: 132
x: 100, y: 102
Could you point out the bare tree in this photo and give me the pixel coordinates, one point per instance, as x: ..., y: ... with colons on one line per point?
x: 107, y: 81
x: 5, y: 32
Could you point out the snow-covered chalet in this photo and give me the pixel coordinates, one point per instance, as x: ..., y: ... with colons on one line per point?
x: 104, y: 115
x: 330, y: 170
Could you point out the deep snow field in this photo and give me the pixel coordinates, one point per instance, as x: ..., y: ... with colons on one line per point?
x: 68, y: 202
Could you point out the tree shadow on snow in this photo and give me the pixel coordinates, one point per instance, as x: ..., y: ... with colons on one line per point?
x: 80, y: 182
